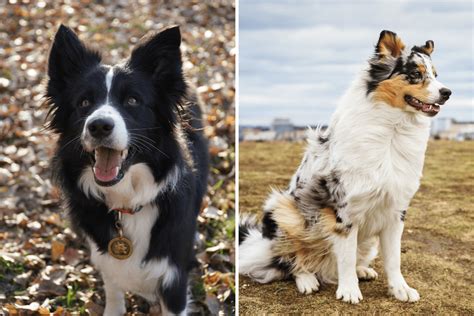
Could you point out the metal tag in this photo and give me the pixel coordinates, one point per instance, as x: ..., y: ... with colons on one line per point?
x: 120, y: 248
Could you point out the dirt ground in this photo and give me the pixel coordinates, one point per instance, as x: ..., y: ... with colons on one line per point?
x: 437, y: 247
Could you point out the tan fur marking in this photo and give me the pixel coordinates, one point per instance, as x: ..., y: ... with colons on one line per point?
x: 329, y: 222
x: 287, y: 216
x: 306, y: 246
x: 422, y: 69
x: 393, y: 91
x: 391, y: 45
x: 428, y: 47
x: 328, y: 219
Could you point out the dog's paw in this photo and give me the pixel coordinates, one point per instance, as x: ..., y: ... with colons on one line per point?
x: 366, y: 273
x: 349, y: 294
x: 404, y: 293
x: 306, y: 283
x: 114, y: 310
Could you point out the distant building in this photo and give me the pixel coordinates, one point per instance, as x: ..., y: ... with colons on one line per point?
x: 282, y: 125
x: 281, y: 129
x: 252, y: 135
x: 448, y: 128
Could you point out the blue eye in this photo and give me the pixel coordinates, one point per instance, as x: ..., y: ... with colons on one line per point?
x: 415, y: 75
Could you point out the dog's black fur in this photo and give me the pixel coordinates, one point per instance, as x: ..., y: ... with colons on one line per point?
x: 167, y: 114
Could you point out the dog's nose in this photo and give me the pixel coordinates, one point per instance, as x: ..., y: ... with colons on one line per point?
x: 445, y: 93
x: 101, y: 127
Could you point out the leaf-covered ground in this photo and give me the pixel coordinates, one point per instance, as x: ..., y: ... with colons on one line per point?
x: 437, y: 246
x: 43, y: 266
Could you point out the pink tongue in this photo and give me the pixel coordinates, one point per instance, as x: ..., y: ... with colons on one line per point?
x: 107, y: 164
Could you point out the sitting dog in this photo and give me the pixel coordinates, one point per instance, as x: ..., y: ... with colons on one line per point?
x: 131, y: 162
x: 355, y: 182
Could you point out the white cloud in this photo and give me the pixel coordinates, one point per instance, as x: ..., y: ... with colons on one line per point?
x: 299, y: 57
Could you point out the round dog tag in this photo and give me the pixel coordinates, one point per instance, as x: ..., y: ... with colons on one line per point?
x: 120, y: 248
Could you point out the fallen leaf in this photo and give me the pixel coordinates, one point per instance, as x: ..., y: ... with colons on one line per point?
x: 71, y: 256
x: 30, y: 307
x: 48, y: 287
x: 94, y: 309
x: 57, y: 249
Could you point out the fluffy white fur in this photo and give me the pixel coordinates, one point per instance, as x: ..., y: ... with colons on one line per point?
x: 379, y: 152
x: 307, y: 283
x: 255, y: 255
x: 137, y: 187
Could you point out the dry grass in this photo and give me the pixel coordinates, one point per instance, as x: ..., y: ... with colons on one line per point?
x: 437, y: 248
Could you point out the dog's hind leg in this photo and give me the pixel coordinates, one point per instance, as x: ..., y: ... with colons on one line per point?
x: 366, y: 252
x: 306, y: 283
x: 114, y: 298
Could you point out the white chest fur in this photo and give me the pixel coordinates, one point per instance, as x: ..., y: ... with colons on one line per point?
x: 379, y: 152
x: 137, y: 188
x: 132, y: 274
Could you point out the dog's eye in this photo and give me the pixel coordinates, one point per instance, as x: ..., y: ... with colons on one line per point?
x: 415, y: 75
x: 85, y: 103
x: 132, y: 101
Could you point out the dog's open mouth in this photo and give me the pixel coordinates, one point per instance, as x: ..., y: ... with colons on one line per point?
x: 430, y: 109
x: 108, y: 165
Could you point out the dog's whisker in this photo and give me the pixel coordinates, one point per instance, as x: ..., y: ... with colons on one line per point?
x: 144, y: 129
x: 72, y: 141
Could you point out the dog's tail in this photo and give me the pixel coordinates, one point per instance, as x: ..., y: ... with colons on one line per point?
x: 256, y: 259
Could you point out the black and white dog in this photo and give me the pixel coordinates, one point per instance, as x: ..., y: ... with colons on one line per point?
x: 355, y: 182
x: 131, y: 162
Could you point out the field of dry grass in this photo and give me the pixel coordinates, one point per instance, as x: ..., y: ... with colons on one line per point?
x: 437, y: 247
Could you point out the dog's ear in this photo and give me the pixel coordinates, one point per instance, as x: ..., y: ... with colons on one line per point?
x: 389, y: 45
x: 159, y: 54
x: 69, y: 56
x: 426, y: 49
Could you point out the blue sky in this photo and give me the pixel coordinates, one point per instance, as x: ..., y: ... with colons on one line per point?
x: 298, y: 57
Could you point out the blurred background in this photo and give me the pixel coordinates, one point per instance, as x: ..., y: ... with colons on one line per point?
x: 43, y: 267
x: 297, y: 58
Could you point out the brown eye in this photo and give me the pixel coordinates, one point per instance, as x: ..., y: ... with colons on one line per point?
x: 85, y: 103
x: 132, y: 101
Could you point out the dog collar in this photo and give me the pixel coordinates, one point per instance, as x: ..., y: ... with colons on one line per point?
x: 120, y: 247
x: 128, y: 210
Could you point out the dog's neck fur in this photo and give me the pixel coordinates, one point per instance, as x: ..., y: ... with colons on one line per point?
x: 137, y: 188
x: 371, y: 131
x: 376, y: 144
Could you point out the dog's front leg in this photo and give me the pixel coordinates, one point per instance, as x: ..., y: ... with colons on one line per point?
x: 173, y: 294
x: 345, y: 249
x: 114, y: 298
x: 390, y: 241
